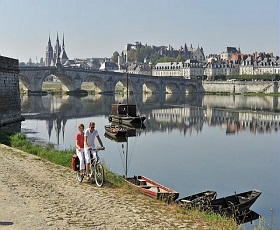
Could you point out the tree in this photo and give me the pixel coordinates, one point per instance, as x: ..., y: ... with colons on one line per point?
x: 95, y: 63
x: 115, y: 56
x: 181, y: 58
x: 154, y: 58
x: 132, y: 55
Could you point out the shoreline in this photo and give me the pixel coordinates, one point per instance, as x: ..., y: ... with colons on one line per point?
x: 53, y: 198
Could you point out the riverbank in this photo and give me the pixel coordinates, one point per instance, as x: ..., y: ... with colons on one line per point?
x: 38, y: 194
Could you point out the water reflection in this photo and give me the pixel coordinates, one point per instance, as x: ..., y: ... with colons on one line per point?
x: 188, y: 114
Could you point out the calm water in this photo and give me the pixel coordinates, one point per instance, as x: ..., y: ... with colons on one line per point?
x: 191, y: 143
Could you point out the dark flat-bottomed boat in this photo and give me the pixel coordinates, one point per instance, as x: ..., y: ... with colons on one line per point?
x: 234, y: 205
x: 198, y: 199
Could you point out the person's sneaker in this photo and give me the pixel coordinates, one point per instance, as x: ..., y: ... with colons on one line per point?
x: 88, y: 178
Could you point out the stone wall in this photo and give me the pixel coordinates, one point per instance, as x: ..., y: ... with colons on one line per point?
x: 241, y: 86
x: 10, y: 108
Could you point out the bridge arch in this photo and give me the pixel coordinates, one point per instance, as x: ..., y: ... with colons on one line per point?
x: 172, y: 88
x: 99, y: 83
x: 190, y: 89
x: 67, y: 81
x: 27, y: 84
x: 151, y: 87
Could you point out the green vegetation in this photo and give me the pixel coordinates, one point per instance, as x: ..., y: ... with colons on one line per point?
x: 247, y: 77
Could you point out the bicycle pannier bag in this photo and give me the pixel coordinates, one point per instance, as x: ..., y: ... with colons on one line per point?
x: 75, y: 162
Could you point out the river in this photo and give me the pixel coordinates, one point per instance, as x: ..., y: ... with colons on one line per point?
x: 191, y: 143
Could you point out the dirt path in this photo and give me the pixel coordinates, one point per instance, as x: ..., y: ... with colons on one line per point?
x: 37, y: 194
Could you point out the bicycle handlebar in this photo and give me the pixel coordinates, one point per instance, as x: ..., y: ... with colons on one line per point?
x: 98, y: 148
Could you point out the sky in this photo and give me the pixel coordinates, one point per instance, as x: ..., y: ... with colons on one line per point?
x: 98, y: 28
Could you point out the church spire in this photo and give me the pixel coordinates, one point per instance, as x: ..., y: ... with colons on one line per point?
x: 63, y: 42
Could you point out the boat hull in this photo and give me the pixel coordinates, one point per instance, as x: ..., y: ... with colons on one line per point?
x: 197, y: 200
x: 234, y: 205
x: 153, y: 189
x: 128, y: 120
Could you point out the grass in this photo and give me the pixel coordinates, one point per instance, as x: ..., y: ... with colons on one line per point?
x: 63, y: 157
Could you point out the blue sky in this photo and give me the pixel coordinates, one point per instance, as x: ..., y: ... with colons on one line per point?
x: 98, y: 28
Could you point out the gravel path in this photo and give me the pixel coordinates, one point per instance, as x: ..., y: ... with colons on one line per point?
x: 37, y: 194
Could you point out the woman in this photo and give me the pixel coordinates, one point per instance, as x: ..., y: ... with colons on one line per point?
x: 80, y: 147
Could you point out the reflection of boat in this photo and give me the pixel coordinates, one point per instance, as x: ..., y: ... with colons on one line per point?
x: 198, y: 199
x: 126, y: 113
x: 115, y: 138
x: 247, y: 216
x: 234, y: 205
x: 152, y: 188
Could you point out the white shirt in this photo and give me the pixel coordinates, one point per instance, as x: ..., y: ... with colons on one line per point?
x: 91, y: 136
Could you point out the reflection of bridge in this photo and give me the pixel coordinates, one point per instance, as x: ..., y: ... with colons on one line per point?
x: 104, y: 81
x: 186, y: 113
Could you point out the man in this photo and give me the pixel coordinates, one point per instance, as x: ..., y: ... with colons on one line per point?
x: 90, y: 135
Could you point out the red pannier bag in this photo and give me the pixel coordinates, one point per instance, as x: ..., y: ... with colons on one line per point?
x: 75, y: 162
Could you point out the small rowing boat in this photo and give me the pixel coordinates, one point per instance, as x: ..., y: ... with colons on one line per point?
x: 152, y: 188
x: 233, y: 205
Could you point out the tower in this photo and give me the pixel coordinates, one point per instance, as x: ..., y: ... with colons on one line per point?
x: 57, y: 50
x: 63, y: 55
x: 49, y: 53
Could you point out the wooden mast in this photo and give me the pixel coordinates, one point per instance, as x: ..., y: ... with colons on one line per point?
x: 126, y: 92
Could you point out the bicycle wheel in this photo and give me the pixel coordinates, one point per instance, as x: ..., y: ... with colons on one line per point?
x: 99, y: 174
x: 79, y: 176
x: 91, y: 171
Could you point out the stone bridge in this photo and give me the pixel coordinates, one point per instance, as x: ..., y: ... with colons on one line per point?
x: 105, y: 81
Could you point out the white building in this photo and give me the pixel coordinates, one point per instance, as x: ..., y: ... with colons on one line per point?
x: 189, y: 69
x: 260, y: 66
x: 219, y: 67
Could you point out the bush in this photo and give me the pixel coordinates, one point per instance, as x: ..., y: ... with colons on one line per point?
x: 5, y: 138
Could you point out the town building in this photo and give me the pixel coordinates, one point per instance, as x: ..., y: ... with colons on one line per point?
x: 185, y: 51
x: 220, y: 67
x: 188, y: 69
x: 230, y: 53
x: 108, y: 66
x: 263, y: 64
x: 143, y: 69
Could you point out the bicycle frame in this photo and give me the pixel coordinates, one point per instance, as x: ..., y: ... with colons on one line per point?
x: 96, y: 169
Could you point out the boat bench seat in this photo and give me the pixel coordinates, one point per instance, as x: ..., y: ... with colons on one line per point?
x: 153, y: 187
x: 185, y: 201
x: 243, y: 199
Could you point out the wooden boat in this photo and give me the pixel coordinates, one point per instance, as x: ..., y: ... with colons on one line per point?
x: 152, y: 188
x: 115, y: 131
x: 131, y: 125
x: 234, y: 205
x: 198, y: 199
x: 126, y: 114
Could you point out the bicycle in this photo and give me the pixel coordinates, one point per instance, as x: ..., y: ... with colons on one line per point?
x: 96, y: 169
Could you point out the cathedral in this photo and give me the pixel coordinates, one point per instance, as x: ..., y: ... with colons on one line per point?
x: 56, y: 55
